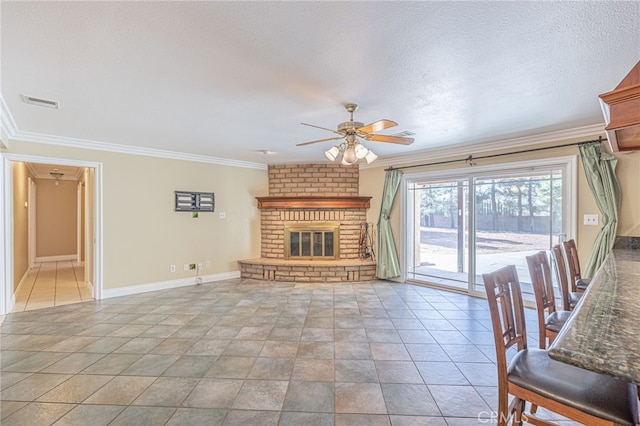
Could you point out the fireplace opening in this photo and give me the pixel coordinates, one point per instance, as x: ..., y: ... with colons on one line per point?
x: 309, y: 241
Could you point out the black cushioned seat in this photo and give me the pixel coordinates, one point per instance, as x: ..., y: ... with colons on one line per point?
x: 583, y: 283
x: 556, y: 320
x: 574, y: 298
x: 593, y: 393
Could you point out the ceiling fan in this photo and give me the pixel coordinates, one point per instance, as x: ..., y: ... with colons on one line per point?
x: 352, y: 150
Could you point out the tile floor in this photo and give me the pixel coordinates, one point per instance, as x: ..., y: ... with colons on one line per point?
x: 52, y: 284
x: 246, y: 352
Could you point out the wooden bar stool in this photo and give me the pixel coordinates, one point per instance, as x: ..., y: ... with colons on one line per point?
x: 531, y: 376
x: 569, y: 298
x: 573, y: 266
x: 550, y: 320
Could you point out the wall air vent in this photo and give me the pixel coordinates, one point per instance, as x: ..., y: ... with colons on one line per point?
x: 41, y: 102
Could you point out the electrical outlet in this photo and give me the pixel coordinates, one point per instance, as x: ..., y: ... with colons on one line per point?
x: 186, y: 267
x: 222, y: 215
x: 199, y: 266
x: 590, y: 219
x: 172, y: 268
x: 192, y: 266
x: 207, y: 264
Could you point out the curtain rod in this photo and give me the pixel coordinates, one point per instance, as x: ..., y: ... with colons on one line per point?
x: 470, y: 158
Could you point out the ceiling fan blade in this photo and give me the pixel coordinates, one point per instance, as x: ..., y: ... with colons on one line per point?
x: 318, y: 127
x: 319, y: 140
x: 389, y: 138
x: 376, y: 126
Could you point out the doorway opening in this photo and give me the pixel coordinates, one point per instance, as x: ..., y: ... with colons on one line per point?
x: 52, y: 219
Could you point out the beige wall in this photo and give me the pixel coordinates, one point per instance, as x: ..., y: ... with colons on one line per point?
x: 628, y: 172
x: 20, y: 177
x: 143, y: 236
x: 56, y: 218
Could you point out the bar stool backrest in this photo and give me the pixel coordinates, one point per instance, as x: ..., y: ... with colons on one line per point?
x: 543, y: 291
x: 561, y: 271
x: 507, y: 318
x: 573, y: 262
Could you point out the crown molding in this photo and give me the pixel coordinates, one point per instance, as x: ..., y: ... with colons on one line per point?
x: 4, y: 139
x: 32, y: 170
x: 483, y: 147
x: 12, y: 132
x: 79, y: 173
x: 133, y: 150
x: 9, y: 130
x: 47, y: 175
x: 8, y: 126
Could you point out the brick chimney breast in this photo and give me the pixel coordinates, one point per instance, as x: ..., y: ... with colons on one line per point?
x: 312, y: 180
x: 317, y: 195
x: 299, y: 180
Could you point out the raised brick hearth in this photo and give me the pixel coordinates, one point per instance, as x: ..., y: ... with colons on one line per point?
x: 311, y: 193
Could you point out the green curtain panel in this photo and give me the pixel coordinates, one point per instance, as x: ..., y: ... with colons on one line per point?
x: 388, y: 264
x: 599, y: 168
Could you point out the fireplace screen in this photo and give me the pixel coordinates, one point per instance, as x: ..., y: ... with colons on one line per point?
x: 312, y: 241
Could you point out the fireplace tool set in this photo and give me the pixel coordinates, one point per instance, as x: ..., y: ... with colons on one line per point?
x: 365, y: 246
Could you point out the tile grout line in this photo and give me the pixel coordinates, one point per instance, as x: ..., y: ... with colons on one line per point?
x: 75, y: 276
x: 26, y: 303
x: 134, y: 312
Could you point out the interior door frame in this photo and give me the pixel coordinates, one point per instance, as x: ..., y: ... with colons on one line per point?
x: 31, y: 214
x: 6, y: 220
x: 79, y: 221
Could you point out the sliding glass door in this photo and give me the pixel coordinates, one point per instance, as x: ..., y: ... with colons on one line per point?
x: 440, y: 232
x: 479, y: 220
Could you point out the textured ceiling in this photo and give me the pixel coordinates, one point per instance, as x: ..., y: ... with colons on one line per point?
x: 229, y: 79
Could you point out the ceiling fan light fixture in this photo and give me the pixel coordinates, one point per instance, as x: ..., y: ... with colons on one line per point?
x: 352, y: 149
x: 361, y: 151
x: 370, y: 157
x: 349, y: 156
x: 332, y: 153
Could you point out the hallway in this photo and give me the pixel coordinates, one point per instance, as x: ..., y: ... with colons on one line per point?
x: 51, y: 284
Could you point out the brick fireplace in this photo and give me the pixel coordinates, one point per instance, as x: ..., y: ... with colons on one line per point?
x: 310, y: 199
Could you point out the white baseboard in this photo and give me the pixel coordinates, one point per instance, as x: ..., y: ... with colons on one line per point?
x: 56, y: 258
x: 13, y: 295
x: 20, y: 284
x: 164, y: 285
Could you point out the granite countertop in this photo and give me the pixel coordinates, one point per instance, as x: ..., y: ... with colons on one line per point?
x: 603, y: 333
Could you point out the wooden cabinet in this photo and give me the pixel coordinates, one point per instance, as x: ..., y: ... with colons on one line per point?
x: 621, y: 109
